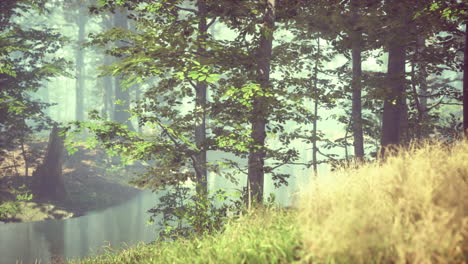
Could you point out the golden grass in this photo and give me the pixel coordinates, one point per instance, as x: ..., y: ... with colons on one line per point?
x: 410, y: 209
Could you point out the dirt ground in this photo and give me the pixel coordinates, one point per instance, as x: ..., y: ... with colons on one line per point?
x: 93, y: 181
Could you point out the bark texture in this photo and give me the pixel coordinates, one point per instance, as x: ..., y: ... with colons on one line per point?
x: 260, y: 107
x: 200, y: 108
x: 394, y: 102
x: 356, y: 111
x: 465, y: 86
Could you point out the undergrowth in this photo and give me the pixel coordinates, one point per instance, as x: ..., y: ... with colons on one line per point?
x: 410, y: 209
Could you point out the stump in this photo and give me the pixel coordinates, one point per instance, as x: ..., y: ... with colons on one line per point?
x: 48, y: 179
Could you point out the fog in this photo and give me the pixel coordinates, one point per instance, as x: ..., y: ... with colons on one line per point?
x: 85, y: 86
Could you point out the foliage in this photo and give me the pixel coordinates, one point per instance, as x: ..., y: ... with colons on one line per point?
x: 183, y: 214
x: 26, y: 61
x: 9, y: 209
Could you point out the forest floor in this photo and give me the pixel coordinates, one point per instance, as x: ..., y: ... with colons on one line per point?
x: 93, y: 181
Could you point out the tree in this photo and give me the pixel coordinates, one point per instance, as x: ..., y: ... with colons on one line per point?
x: 394, y: 103
x: 260, y: 105
x: 356, y: 49
x: 122, y: 93
x: 26, y: 60
x: 465, y: 85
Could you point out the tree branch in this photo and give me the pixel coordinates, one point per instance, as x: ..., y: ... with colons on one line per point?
x: 187, y: 9
x: 326, y: 155
x: 211, y: 23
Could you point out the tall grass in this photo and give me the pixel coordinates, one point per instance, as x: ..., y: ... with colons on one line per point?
x: 410, y: 209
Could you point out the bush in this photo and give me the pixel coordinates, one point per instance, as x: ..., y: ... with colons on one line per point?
x: 10, y: 208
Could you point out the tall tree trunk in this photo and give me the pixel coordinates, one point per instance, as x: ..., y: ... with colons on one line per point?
x: 393, y: 104
x: 80, y: 67
x: 137, y: 98
x: 259, y: 112
x: 420, y: 95
x: 108, y: 109
x: 108, y: 92
x: 137, y: 88
x: 465, y: 86
x: 121, y: 95
x: 356, y: 112
x: 200, y: 107
x: 394, y: 100
x: 316, y: 102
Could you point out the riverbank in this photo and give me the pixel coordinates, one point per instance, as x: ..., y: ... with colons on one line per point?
x: 411, y: 209
x: 93, y: 182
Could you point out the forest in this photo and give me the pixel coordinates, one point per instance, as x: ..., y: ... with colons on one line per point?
x: 233, y: 131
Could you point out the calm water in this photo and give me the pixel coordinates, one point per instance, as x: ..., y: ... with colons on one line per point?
x: 79, y: 237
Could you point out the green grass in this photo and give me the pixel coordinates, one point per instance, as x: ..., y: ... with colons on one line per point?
x: 268, y: 236
x: 411, y: 209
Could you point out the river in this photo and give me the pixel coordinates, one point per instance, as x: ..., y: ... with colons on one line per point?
x: 117, y: 226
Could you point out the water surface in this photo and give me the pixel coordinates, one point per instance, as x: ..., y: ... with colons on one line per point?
x: 121, y: 225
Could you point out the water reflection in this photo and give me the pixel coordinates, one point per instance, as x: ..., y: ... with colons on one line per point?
x: 78, y: 237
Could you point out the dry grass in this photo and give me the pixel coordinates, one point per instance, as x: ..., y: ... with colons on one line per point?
x: 410, y: 209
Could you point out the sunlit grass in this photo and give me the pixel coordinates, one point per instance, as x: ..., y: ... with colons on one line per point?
x: 411, y: 209
x: 261, y: 237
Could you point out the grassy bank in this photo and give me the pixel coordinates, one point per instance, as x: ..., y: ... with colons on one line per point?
x: 411, y: 209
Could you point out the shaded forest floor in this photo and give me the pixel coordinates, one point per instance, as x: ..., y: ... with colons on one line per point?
x: 93, y: 182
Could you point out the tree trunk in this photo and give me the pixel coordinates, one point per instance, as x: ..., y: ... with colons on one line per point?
x: 108, y: 93
x: 259, y: 112
x: 80, y: 68
x: 465, y: 85
x: 200, y: 108
x: 420, y: 95
x: 316, y: 102
x: 393, y: 104
x: 48, y: 179
x: 121, y: 95
x: 356, y: 112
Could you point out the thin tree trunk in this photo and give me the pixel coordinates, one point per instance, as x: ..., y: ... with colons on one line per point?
x: 108, y: 92
x: 138, y: 97
x: 80, y: 81
x: 137, y: 88
x: 200, y: 108
x: 260, y: 107
x: 423, y: 113
x: 465, y: 86
x: 121, y: 94
x: 356, y: 112
x: 23, y: 152
x: 314, y: 124
x: 419, y: 95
